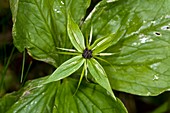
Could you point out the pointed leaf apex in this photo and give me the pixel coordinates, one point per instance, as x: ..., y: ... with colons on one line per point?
x: 75, y: 35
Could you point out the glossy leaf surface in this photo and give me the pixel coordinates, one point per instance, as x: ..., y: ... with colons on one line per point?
x: 142, y: 53
x: 41, y: 26
x: 59, y: 97
x: 66, y: 69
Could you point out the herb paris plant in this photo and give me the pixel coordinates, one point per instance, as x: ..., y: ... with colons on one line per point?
x: 137, y: 29
x: 86, y: 55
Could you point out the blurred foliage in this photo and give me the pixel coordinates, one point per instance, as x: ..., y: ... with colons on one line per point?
x: 11, y: 82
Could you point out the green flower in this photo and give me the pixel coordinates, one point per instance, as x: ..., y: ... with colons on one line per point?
x: 85, y: 55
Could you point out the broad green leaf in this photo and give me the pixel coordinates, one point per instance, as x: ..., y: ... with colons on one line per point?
x: 90, y: 98
x: 142, y: 53
x: 31, y: 98
x: 99, y: 75
x: 41, y: 26
x: 66, y: 69
x: 75, y: 35
x: 148, y: 80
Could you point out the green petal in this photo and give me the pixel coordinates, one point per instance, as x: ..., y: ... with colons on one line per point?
x: 99, y: 75
x: 75, y: 35
x: 66, y: 69
x: 103, y: 43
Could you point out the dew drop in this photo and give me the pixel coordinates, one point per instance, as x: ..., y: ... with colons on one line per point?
x: 122, y: 63
x: 43, y: 93
x: 35, y: 102
x: 167, y: 16
x: 154, y: 66
x: 144, y: 21
x: 141, y: 35
x: 143, y: 40
x: 156, y: 77
x: 72, y: 63
x: 153, y: 22
x: 32, y: 103
x: 57, y: 11
x: 161, y: 17
x: 62, y: 2
x: 148, y: 94
x: 135, y: 44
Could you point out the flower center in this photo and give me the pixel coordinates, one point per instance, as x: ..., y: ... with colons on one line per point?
x: 87, y: 54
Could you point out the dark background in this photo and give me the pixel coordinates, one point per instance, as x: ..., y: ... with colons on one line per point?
x: 35, y: 69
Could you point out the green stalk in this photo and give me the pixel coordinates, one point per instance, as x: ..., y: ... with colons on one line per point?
x: 26, y: 74
x: 5, y: 69
x: 23, y: 64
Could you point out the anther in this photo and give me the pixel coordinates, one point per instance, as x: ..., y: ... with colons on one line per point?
x: 87, y: 54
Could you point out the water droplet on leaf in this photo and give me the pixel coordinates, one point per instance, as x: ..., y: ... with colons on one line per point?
x: 43, y: 93
x: 144, y: 21
x: 167, y: 16
x: 148, y: 94
x: 144, y: 38
x: 62, y: 2
x: 57, y: 11
x: 135, y: 44
x: 156, y: 77
x: 153, y: 22
x: 154, y: 66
